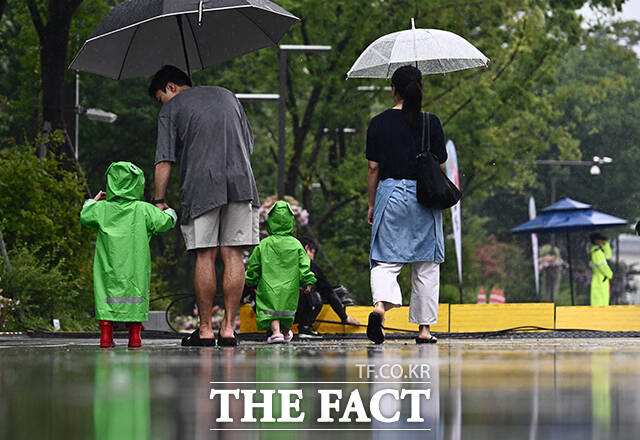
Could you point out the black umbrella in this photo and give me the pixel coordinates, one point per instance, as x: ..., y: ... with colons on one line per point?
x: 138, y: 37
x: 565, y: 216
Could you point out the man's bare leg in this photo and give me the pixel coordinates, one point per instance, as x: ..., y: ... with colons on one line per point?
x: 232, y: 286
x: 204, y: 283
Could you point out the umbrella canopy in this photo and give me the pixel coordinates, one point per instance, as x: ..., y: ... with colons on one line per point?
x: 137, y: 37
x: 430, y: 50
x: 568, y: 215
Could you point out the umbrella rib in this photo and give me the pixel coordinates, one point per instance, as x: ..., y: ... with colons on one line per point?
x: 195, y: 41
x: 258, y: 26
x: 126, y: 54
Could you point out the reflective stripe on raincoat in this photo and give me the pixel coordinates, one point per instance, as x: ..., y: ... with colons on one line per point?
x: 279, y: 266
x: 122, y: 263
x: 602, y: 274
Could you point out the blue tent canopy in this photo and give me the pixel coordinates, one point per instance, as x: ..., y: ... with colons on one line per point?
x: 568, y: 215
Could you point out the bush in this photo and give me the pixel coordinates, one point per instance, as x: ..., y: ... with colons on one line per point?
x: 50, y: 252
x: 42, y: 290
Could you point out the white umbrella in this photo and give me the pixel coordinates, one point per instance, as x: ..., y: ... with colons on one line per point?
x: 430, y: 50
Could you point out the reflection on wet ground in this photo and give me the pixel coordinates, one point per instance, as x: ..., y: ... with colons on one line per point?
x: 506, y: 389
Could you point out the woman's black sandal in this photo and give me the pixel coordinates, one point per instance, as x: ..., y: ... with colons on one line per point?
x: 430, y: 340
x: 194, y: 340
x: 374, y: 328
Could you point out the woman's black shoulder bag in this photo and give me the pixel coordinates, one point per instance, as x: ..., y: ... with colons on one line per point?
x: 434, y: 188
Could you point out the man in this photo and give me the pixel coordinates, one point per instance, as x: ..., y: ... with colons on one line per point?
x: 206, y: 131
x: 599, y: 253
x: 307, y: 311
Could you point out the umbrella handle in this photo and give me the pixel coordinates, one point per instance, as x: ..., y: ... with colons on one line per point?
x: 200, y: 13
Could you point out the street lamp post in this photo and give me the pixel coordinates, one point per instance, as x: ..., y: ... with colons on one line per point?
x: 594, y: 170
x: 284, y: 50
x: 94, y: 114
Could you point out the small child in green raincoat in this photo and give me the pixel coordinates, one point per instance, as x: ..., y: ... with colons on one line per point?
x: 122, y: 263
x: 279, y: 266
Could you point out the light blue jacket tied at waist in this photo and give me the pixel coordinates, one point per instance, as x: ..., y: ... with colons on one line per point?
x: 403, y: 230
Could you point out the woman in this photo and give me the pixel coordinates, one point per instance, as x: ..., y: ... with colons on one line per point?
x: 403, y: 231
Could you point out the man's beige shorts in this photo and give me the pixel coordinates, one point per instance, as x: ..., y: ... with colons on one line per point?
x: 234, y: 224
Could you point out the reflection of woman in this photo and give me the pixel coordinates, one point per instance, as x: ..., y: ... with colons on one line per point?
x: 403, y: 231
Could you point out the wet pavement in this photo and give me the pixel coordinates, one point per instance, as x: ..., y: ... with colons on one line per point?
x: 458, y: 389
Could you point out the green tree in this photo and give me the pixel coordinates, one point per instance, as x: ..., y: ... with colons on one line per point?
x: 50, y: 252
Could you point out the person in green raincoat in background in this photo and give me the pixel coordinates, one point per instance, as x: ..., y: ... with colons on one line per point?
x: 599, y: 253
x: 279, y: 266
x: 122, y: 263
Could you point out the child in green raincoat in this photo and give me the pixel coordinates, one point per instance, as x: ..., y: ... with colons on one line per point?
x: 599, y: 253
x: 122, y: 263
x: 279, y: 266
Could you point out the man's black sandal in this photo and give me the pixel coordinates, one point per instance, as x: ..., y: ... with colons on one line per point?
x: 194, y: 340
x: 374, y: 328
x: 228, y: 342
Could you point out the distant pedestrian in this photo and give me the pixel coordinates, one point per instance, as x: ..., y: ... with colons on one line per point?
x: 279, y: 267
x: 122, y: 264
x: 599, y: 253
x: 403, y: 231
x: 308, y: 309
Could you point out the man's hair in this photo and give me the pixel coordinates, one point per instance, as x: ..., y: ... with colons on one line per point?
x: 166, y: 75
x: 307, y: 241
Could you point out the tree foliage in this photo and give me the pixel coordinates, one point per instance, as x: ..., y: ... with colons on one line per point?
x: 543, y: 95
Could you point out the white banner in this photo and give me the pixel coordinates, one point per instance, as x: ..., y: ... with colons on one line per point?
x: 534, y: 246
x: 454, y: 175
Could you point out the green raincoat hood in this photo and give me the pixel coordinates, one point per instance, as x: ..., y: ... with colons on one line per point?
x: 281, y: 219
x: 125, y: 181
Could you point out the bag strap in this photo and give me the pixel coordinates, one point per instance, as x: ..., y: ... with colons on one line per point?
x: 425, y: 121
x: 428, y: 122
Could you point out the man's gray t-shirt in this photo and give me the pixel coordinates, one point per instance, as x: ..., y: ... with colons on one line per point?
x: 206, y: 129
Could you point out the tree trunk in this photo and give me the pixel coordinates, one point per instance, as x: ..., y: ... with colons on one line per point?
x: 54, y: 41
x: 53, y: 62
x: 3, y: 6
x: 5, y: 255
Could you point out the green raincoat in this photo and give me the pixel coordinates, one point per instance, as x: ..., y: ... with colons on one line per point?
x: 122, y: 263
x: 279, y: 266
x: 602, y: 274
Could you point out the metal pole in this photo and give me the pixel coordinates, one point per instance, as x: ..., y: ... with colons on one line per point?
x: 77, y: 128
x: 573, y: 301
x: 615, y: 296
x: 281, y: 122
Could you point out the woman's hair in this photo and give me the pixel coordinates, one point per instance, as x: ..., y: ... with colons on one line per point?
x: 407, y: 81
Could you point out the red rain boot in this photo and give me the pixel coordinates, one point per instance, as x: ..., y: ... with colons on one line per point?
x: 106, y: 334
x: 134, y: 334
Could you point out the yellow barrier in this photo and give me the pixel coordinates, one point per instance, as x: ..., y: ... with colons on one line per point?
x: 396, y: 318
x: 462, y: 318
x: 492, y: 317
x: 605, y: 318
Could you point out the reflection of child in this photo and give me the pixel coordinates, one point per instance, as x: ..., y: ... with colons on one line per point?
x: 279, y: 266
x: 121, y: 268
